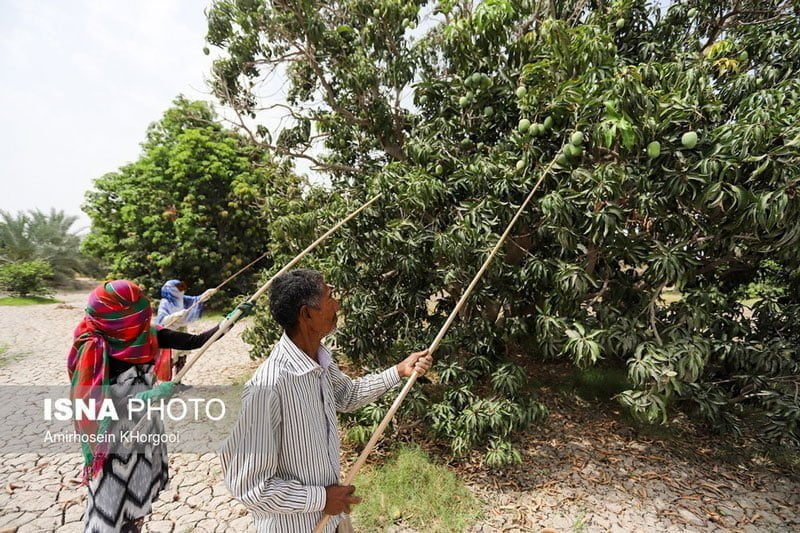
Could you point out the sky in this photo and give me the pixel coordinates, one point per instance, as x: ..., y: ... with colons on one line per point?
x: 80, y: 82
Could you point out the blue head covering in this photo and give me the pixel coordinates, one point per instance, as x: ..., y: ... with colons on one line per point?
x: 174, y: 300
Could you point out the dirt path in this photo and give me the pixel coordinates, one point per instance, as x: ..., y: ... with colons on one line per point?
x: 582, y: 471
x: 41, y: 492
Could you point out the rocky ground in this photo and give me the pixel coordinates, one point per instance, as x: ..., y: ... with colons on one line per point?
x: 584, y: 470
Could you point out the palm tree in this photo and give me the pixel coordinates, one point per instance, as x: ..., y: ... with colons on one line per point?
x: 14, y: 243
x: 46, y: 236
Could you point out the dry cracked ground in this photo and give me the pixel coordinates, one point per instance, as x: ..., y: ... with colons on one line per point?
x: 583, y: 470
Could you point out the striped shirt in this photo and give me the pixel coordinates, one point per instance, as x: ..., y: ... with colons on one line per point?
x: 284, y: 448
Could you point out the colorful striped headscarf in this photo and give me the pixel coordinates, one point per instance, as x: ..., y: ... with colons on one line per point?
x: 116, y: 324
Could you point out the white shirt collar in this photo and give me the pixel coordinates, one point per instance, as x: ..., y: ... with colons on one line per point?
x: 301, y: 361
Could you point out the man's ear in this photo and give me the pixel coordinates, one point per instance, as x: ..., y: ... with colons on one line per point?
x: 305, y: 313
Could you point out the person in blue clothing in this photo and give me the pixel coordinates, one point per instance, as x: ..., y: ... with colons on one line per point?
x: 176, y: 311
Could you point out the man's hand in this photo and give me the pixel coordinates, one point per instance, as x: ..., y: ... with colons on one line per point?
x: 419, y: 361
x: 339, y: 498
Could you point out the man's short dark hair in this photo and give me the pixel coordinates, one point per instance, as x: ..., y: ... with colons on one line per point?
x: 290, y: 292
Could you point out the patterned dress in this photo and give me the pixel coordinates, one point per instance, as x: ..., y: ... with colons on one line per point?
x: 133, y: 475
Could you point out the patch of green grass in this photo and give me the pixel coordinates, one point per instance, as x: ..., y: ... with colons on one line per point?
x: 597, y: 383
x: 17, y: 301
x: 6, y: 358
x: 671, y: 296
x: 579, y: 525
x: 412, y: 489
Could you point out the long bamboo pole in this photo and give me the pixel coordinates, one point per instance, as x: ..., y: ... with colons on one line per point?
x: 168, y: 323
x: 433, y: 346
x: 231, y: 319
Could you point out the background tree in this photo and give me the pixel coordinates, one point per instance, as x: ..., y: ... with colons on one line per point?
x: 195, y: 206
x: 676, y: 131
x: 48, y: 237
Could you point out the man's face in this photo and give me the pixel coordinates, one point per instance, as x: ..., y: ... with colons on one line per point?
x: 323, y: 318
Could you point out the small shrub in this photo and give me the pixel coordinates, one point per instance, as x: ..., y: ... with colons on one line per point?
x: 26, y: 278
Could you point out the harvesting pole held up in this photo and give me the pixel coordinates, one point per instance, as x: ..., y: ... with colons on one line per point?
x: 232, y: 317
x: 434, y: 345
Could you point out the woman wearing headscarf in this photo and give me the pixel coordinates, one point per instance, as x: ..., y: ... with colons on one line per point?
x: 117, y: 353
x: 176, y: 310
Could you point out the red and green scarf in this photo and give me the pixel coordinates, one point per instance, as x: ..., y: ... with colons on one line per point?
x: 116, y: 324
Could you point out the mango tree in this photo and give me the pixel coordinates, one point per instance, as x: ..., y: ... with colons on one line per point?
x: 674, y: 133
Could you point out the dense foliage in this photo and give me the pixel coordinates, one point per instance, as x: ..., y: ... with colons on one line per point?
x: 26, y: 277
x: 195, y: 206
x: 676, y: 132
x: 49, y: 237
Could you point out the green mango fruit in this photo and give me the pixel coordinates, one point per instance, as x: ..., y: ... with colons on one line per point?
x: 689, y: 139
x: 573, y: 151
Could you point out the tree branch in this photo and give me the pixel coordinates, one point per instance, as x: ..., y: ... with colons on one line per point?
x: 286, y: 151
x: 653, y: 314
x: 722, y: 24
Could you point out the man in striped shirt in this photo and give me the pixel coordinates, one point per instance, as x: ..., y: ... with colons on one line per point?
x: 282, y: 458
